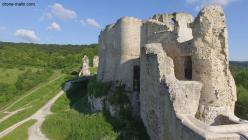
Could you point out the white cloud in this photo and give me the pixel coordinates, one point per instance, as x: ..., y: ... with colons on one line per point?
x: 27, y: 35
x: 59, y: 11
x: 201, y: 3
x: 90, y: 22
x: 54, y: 27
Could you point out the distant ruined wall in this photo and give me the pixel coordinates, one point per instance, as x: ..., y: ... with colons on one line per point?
x: 211, y: 65
x: 85, y: 66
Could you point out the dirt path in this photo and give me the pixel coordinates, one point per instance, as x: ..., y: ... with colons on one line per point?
x: 34, y: 131
x: 12, y: 113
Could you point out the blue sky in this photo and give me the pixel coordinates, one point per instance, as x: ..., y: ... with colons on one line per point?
x: 80, y: 21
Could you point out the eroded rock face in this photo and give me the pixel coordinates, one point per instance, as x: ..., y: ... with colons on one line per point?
x: 95, y: 61
x: 85, y: 68
x: 211, y: 64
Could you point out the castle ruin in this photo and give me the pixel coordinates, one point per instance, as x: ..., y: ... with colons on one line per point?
x: 178, y: 70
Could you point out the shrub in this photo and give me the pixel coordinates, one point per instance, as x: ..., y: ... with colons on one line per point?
x: 98, y: 89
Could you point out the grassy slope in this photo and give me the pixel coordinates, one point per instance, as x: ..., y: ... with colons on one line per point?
x: 68, y: 123
x: 36, y: 100
x: 20, y: 133
x: 9, y: 76
x: 18, y: 98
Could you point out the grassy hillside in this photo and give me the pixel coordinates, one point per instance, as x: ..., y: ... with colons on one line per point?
x: 31, y: 74
x: 23, y: 66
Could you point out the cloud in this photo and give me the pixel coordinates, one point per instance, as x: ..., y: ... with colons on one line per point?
x: 201, y: 3
x: 54, y: 27
x: 90, y: 22
x: 59, y: 11
x: 27, y: 35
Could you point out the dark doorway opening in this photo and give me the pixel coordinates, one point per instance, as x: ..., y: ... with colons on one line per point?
x: 188, y: 68
x: 136, y: 78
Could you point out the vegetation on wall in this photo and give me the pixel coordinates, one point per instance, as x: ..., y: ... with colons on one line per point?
x: 96, y: 88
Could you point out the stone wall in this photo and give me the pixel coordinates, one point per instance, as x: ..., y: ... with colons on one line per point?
x: 211, y: 65
x: 162, y: 95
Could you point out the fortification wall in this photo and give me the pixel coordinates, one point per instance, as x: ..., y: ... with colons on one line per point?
x: 211, y: 65
x: 120, y: 51
x: 162, y: 96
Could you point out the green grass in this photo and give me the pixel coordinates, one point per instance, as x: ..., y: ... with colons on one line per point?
x: 20, y: 97
x: 9, y: 75
x: 67, y: 123
x: 20, y: 133
x: 36, y: 100
x: 93, y: 70
x: 2, y: 115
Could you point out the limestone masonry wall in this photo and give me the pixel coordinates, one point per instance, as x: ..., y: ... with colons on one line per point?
x: 177, y: 68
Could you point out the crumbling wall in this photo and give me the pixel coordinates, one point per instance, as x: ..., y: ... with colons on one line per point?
x: 171, y: 30
x: 85, y: 66
x: 211, y: 65
x: 162, y: 96
x: 95, y: 61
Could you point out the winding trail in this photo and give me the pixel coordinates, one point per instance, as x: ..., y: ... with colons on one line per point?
x: 34, y: 131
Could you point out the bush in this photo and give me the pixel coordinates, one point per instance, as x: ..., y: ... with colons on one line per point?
x: 118, y: 96
x: 29, y: 79
x: 98, y: 89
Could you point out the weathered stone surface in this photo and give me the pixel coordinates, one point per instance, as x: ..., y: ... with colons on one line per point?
x: 119, y: 51
x: 95, y: 61
x: 162, y: 95
x: 85, y: 66
x: 211, y: 64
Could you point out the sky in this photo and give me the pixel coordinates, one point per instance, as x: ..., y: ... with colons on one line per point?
x: 80, y: 21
